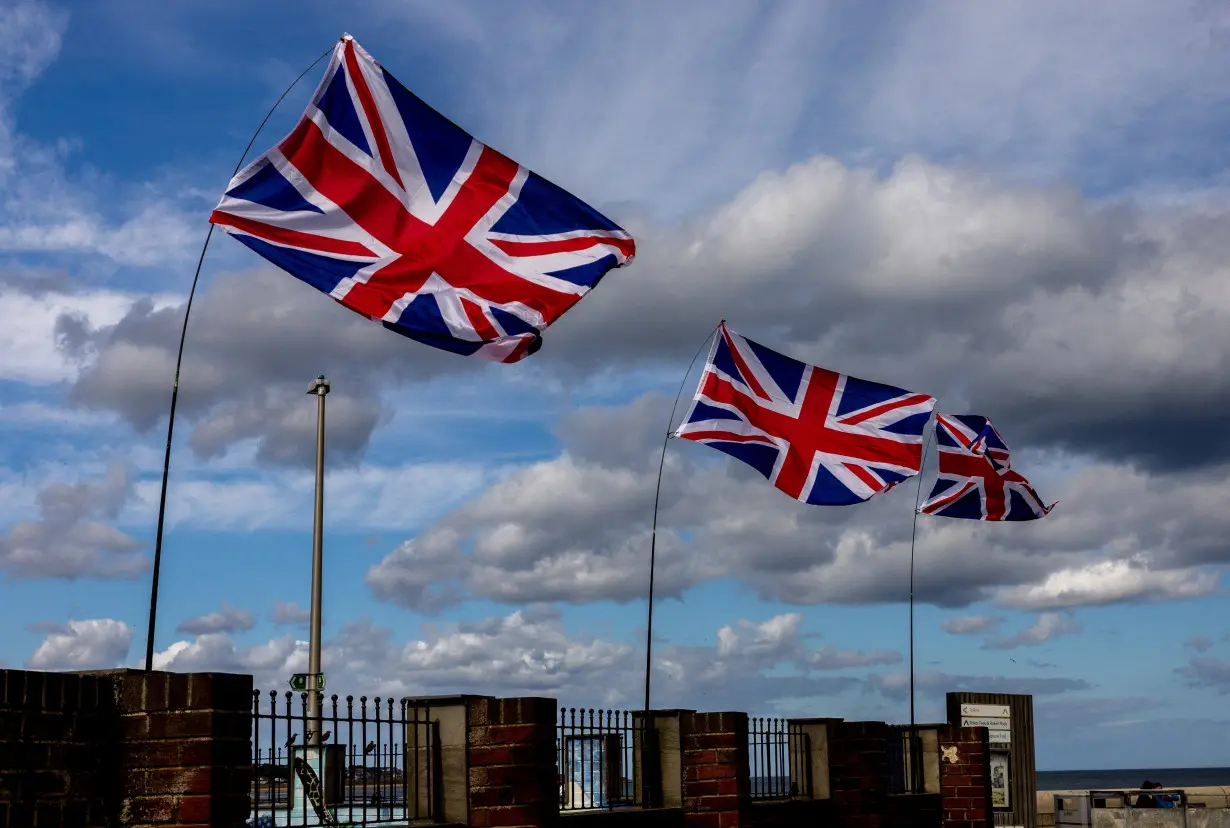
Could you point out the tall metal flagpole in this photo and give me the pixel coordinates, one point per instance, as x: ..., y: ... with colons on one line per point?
x: 319, y: 387
x: 913, y: 536
x: 179, y: 359
x: 914, y: 769
x: 653, y: 535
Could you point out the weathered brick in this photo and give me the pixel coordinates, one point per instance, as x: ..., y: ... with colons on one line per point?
x: 33, y: 696
x: 12, y: 724
x: 147, y: 809
x: 230, y: 691
x: 491, y: 795
x: 710, y: 741
x: 503, y: 755
x: 177, y: 780
x: 182, y: 723
x: 194, y: 809
x: 49, y: 813
x: 510, y: 775
x: 513, y: 815
x: 727, y: 771
x: 518, y: 733
x: 177, y: 691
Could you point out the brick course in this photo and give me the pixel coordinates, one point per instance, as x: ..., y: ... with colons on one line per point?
x: 51, y: 771
x: 716, y: 775
x: 124, y: 748
x: 965, y: 785
x: 511, y: 756
x: 859, y: 773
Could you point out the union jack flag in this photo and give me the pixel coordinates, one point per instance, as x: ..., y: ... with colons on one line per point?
x: 976, y: 480
x: 400, y: 215
x: 819, y: 436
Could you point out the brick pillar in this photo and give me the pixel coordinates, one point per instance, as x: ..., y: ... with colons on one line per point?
x: 52, y: 771
x: 185, y: 748
x: 513, y: 781
x: 716, y: 773
x: 858, y: 773
x: 965, y: 777
x: 125, y: 748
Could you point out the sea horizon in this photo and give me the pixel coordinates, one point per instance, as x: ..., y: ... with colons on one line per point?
x: 1112, y: 778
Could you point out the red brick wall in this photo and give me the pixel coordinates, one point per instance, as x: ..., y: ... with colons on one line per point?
x: 858, y: 773
x: 965, y: 777
x: 513, y: 780
x: 716, y: 775
x: 185, y: 748
x: 914, y: 811
x: 51, y: 771
x: 125, y: 748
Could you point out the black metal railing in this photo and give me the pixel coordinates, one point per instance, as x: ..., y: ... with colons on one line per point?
x: 779, y: 757
x: 599, y: 759
x: 905, y: 761
x: 377, y: 762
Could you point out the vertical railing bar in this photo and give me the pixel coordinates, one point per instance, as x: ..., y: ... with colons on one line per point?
x: 256, y: 747
x: 354, y: 761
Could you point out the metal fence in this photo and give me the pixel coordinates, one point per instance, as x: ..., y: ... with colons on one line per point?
x: 377, y: 762
x: 600, y: 763
x: 779, y: 755
x: 905, y: 761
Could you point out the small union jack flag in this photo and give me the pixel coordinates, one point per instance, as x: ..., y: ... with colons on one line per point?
x: 397, y: 213
x: 976, y: 480
x: 819, y: 436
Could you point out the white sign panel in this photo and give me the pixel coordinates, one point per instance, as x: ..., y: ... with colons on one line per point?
x: 999, y: 711
x: 989, y: 722
x: 999, y: 737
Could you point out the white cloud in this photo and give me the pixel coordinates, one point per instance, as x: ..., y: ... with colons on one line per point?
x: 365, y: 497
x: 972, y: 624
x: 1199, y: 643
x: 28, y: 330
x: 83, y: 645
x: 829, y: 658
x: 531, y: 652
x: 576, y: 529
x: 1050, y: 625
x: 289, y: 612
x: 70, y: 539
x: 1108, y: 582
x: 41, y: 209
x: 227, y: 619
x: 1206, y: 672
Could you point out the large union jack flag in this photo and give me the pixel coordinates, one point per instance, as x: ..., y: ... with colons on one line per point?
x: 976, y: 480
x: 397, y: 213
x: 819, y: 436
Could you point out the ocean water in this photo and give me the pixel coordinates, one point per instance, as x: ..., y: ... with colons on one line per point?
x: 1084, y: 780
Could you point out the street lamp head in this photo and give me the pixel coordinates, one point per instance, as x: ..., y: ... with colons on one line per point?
x: 320, y: 386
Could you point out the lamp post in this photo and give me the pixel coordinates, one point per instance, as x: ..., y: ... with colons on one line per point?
x: 319, y: 387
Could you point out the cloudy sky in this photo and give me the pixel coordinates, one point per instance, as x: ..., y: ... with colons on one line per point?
x: 1021, y: 208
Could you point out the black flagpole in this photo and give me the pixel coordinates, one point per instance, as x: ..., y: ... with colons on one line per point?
x: 913, y: 535
x: 653, y: 535
x: 166, y: 461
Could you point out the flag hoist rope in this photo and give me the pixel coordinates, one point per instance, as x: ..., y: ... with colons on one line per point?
x: 166, y: 462
x: 653, y: 534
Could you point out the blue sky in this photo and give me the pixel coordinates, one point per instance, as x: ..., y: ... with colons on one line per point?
x: 1018, y: 208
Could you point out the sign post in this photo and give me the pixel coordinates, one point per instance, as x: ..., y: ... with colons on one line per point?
x: 1008, y: 718
x: 300, y: 682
